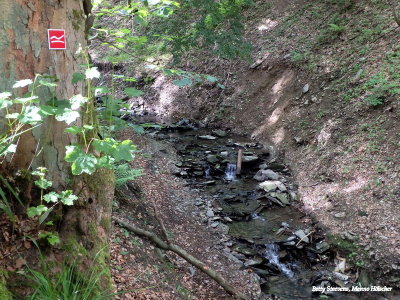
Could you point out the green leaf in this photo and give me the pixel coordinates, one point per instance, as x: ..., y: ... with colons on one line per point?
x: 101, y: 90
x: 68, y: 116
x: 81, y: 162
x: 52, y: 238
x: 43, y: 183
x: 221, y: 86
x: 51, y: 197
x: 137, y: 128
x: 76, y: 77
x: 31, y: 115
x: 22, y: 83
x: 77, y: 101
x: 118, y: 150
x: 46, y: 83
x: 183, y: 82
x: 32, y: 99
x: 4, y: 102
x: 73, y: 130
x: 67, y: 197
x: 132, y: 92
x: 36, y: 210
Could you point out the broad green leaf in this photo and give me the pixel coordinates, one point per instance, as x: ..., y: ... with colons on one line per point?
x: 48, y: 110
x: 31, y: 115
x: 4, y: 102
x: 81, y: 162
x: 36, y: 210
x: 76, y: 77
x: 52, y: 238
x: 67, y: 197
x: 68, y: 116
x: 73, y: 130
x: 137, y: 128
x: 101, y: 90
x: 77, y: 101
x: 22, y: 83
x: 132, y: 92
x: 183, y: 82
x: 46, y: 83
x: 32, y: 99
x: 43, y: 183
x: 12, y: 116
x: 51, y: 197
x: 106, y: 162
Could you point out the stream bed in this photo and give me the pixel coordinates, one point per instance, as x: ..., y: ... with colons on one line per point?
x: 257, y: 214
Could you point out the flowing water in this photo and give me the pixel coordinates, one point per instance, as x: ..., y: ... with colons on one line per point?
x: 261, y: 228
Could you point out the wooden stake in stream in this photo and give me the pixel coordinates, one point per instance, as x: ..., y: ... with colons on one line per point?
x: 239, y: 161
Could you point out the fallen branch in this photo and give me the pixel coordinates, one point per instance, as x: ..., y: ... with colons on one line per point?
x: 182, y: 253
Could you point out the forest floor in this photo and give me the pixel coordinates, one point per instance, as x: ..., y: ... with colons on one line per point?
x: 142, y: 272
x: 321, y: 95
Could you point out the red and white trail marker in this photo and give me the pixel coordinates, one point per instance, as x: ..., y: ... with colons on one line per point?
x: 56, y: 39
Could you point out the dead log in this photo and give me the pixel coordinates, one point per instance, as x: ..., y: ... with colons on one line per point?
x: 185, y: 255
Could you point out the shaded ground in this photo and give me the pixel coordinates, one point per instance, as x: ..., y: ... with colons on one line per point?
x: 310, y: 92
x: 135, y: 264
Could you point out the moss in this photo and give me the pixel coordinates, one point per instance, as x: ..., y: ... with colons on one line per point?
x: 105, y: 222
x: 345, y: 246
x: 4, y: 292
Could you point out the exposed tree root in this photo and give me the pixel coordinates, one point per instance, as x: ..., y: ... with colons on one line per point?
x: 182, y: 253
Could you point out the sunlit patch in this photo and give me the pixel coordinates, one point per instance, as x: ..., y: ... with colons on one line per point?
x: 267, y: 24
x: 279, y: 136
x: 326, y: 133
x: 167, y: 94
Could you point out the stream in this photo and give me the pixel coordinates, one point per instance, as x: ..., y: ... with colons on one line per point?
x: 256, y: 212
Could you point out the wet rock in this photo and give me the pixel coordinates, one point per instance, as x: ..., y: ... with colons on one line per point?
x: 220, y: 133
x: 263, y: 175
x: 227, y: 219
x: 224, y: 153
x: 350, y: 236
x: 263, y: 166
x: 272, y: 185
x: 210, y: 182
x: 212, y: 159
x: 302, y: 236
x: 244, y: 250
x: 322, y: 247
x: 283, y: 198
x: 206, y: 137
x: 214, y: 224
x: 249, y: 159
x: 276, y: 201
x: 210, y: 213
x: 254, y: 261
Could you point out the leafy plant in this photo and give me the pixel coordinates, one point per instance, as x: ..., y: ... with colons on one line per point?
x: 68, y: 284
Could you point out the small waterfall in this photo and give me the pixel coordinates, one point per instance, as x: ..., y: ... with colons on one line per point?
x: 272, y: 254
x: 207, y: 171
x: 230, y: 172
x: 255, y: 216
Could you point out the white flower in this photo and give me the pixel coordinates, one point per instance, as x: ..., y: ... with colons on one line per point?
x: 92, y: 73
x: 22, y: 83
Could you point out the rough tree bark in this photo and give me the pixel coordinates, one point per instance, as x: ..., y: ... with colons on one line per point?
x: 24, y: 52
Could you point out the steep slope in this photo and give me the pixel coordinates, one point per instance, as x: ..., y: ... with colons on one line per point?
x: 323, y: 87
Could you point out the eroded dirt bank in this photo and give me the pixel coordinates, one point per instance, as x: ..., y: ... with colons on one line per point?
x: 309, y: 91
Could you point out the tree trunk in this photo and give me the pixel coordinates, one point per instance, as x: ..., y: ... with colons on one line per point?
x: 24, y: 52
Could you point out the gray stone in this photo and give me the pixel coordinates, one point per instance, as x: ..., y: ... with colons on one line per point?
x: 249, y: 158
x: 281, y: 197
x: 306, y: 88
x: 214, y: 224
x: 302, y: 236
x: 272, y: 185
x: 253, y: 262
x: 340, y: 215
x: 262, y: 175
x: 210, y: 213
x: 224, y: 153
x: 207, y: 137
x: 211, y: 158
x: 220, y: 133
